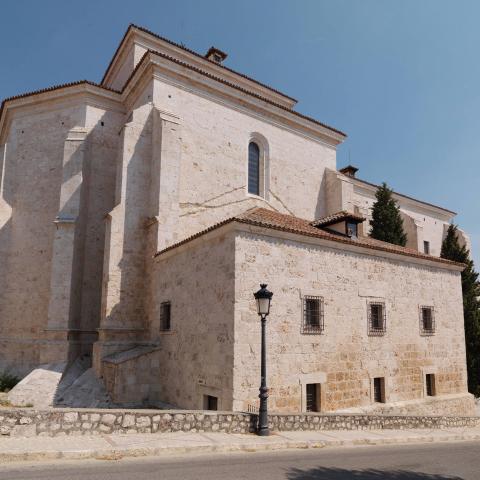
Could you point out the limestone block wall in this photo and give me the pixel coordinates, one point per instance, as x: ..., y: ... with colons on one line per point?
x: 31, y: 189
x: 56, y: 190
x: 214, y: 149
x: 422, y: 223
x: 344, y: 359
x: 196, y: 355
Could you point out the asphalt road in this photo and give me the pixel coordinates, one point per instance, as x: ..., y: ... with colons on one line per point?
x: 409, y: 462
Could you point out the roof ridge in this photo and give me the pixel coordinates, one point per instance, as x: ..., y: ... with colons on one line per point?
x: 237, y: 87
x: 193, y: 52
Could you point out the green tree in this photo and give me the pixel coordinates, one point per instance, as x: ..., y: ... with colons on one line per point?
x: 386, y: 223
x: 452, y: 250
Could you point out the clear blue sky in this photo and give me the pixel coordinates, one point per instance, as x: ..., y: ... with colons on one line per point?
x: 401, y: 78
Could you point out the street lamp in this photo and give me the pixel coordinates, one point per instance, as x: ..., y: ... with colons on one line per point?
x: 263, y: 298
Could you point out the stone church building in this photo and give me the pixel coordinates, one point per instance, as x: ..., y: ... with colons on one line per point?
x: 139, y: 215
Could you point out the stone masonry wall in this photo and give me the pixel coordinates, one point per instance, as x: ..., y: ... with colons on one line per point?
x: 195, y: 357
x: 58, y: 422
x: 344, y: 359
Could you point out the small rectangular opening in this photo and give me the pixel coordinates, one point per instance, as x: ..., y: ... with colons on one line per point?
x: 312, y: 314
x: 426, y: 247
x: 210, y: 402
x: 427, y: 320
x: 379, y: 390
x: 430, y: 384
x: 165, y: 311
x: 313, y: 397
x: 376, y: 318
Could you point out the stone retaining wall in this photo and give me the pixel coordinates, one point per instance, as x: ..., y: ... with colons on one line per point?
x: 29, y: 422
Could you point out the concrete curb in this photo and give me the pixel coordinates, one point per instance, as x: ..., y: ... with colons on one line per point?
x: 132, y: 452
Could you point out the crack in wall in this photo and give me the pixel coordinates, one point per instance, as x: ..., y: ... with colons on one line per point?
x: 281, y: 202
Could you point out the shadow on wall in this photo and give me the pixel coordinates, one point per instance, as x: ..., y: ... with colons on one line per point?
x: 324, y: 473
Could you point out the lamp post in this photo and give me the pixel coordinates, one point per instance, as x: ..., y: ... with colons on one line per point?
x: 263, y: 298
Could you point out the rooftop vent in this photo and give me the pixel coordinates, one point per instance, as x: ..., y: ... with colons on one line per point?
x: 349, y: 171
x: 216, y: 55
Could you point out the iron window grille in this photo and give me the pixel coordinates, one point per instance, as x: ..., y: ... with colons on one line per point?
x: 377, y: 319
x: 165, y: 314
x: 313, y: 315
x: 427, y: 320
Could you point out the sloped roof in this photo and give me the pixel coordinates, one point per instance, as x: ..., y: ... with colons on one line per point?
x: 337, y: 217
x: 262, y: 217
x: 182, y: 47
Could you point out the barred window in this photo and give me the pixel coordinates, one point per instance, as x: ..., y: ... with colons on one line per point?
x: 427, y: 320
x: 312, y: 315
x: 377, y: 319
x: 165, y: 309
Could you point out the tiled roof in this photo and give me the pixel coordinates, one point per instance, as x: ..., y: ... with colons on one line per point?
x: 153, y: 34
x: 337, y: 217
x: 262, y: 217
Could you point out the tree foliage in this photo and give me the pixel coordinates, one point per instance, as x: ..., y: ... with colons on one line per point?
x: 452, y: 250
x: 386, y: 223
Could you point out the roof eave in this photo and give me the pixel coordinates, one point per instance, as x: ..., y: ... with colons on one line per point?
x: 347, y: 243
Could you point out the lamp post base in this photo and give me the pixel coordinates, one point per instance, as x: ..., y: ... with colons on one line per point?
x: 263, y: 432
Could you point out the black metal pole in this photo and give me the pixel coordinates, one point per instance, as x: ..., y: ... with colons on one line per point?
x: 263, y: 413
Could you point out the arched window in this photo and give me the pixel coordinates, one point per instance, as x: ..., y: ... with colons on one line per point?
x: 254, y: 169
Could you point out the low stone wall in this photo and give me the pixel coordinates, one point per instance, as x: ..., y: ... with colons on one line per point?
x: 56, y: 422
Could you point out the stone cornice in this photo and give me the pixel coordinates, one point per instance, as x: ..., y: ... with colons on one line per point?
x: 148, y: 40
x: 404, y: 199
x: 185, y: 76
x: 84, y: 91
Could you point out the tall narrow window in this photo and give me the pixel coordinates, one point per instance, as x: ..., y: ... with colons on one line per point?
x: 430, y: 384
x: 379, y: 390
x: 377, y: 320
x: 165, y: 309
x: 427, y: 320
x: 426, y: 247
x: 253, y: 169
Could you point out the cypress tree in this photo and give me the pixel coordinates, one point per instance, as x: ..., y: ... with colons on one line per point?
x: 452, y: 250
x: 386, y: 223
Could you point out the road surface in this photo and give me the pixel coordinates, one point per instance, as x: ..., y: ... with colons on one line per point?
x: 408, y: 462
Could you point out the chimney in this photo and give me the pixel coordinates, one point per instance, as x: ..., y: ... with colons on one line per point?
x: 349, y: 171
x: 215, y: 55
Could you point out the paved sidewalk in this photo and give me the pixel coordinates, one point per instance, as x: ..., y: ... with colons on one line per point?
x: 14, y: 449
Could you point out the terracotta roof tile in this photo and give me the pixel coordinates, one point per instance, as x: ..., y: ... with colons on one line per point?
x: 262, y: 217
x: 337, y: 217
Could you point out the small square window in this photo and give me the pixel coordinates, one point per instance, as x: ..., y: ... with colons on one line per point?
x: 379, y: 390
x: 165, y: 309
x: 427, y: 320
x: 430, y: 384
x: 312, y: 315
x: 376, y: 318
x: 210, y: 402
x: 426, y: 247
